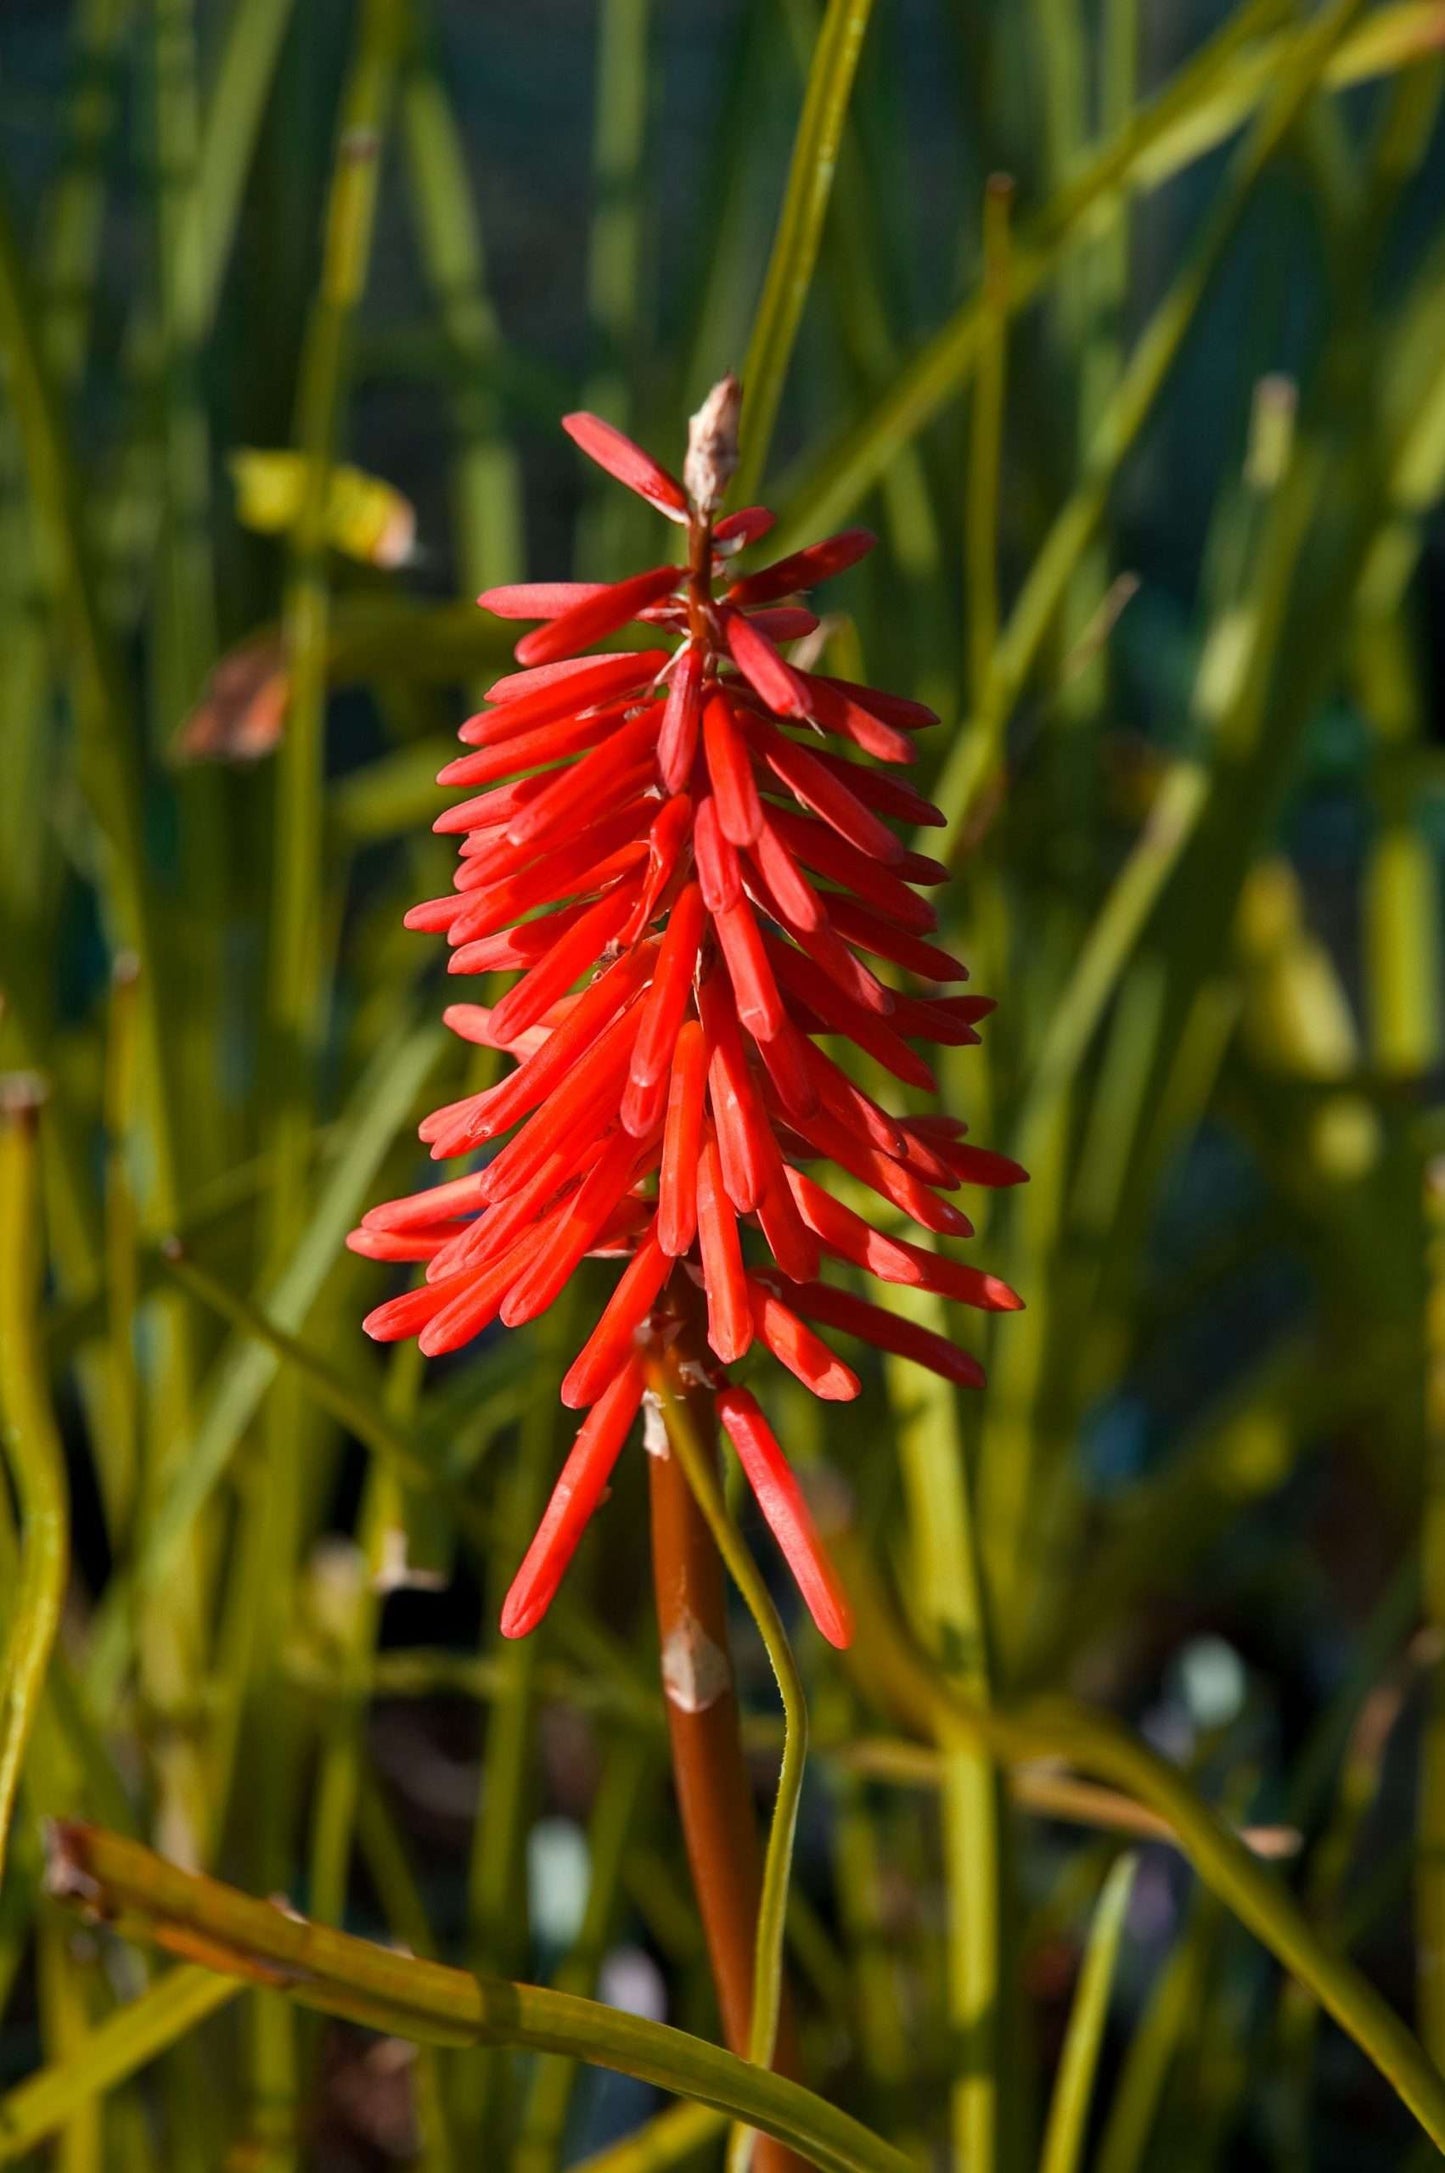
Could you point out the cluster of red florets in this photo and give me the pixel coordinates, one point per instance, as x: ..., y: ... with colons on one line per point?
x: 696, y: 890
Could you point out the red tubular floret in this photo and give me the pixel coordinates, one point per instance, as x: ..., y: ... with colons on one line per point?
x: 665, y: 1005
x: 628, y: 463
x: 718, y: 867
x: 537, y: 599
x: 794, y: 1345
x: 803, y: 569
x: 677, y: 736
x: 682, y: 1142
x: 729, y: 1314
x: 885, y: 1331
x: 777, y: 686
x: 730, y: 768
x: 553, y: 975
x: 574, y: 1498
x: 602, y: 614
x: 759, y: 1005
x: 612, y: 1341
x: 781, y: 1500
x: 745, y: 1142
x: 819, y: 847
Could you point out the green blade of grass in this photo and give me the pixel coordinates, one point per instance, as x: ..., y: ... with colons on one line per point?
x: 372, y: 1985
x: 951, y: 1609
x: 384, y: 1098
x: 1065, y: 2136
x: 33, y: 1457
x: 800, y: 227
x: 111, y: 2053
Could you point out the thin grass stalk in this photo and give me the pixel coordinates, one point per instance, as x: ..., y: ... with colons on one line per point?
x: 384, y: 1098
x: 1400, y: 904
x: 396, y: 1890
x: 254, y: 36
x: 34, y: 1459
x: 64, y: 2024
x: 949, y: 1598
x: 719, y: 276
x: 544, y: 2123
x: 487, y: 477
x: 183, y: 640
x: 840, y: 474
x: 1430, y: 1842
x: 851, y: 250
x: 498, y: 1930
x: 1332, y: 1863
x: 296, y: 1018
x: 1069, y: 2108
x: 971, y: 764
x: 668, y: 2139
x: 108, y: 2055
x: 616, y: 259
x: 800, y: 227
x: 986, y: 425
x: 1177, y: 1997
x: 1061, y: 66
x: 149, y: 1899
x: 108, y: 755
x: 118, y: 1448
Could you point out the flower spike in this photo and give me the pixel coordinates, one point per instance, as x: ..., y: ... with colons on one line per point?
x: 695, y: 891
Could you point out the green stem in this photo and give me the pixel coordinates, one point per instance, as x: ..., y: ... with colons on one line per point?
x: 946, y: 1580
x: 1430, y: 1846
x: 32, y: 1452
x: 108, y: 2055
x: 181, y: 1912
x: 1063, y: 2150
x: 800, y: 229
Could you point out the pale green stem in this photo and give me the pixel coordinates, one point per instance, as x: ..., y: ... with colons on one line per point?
x: 33, y: 1457
x: 335, y: 1973
x: 1065, y: 2136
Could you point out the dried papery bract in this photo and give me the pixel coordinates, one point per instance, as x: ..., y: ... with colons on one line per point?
x: 712, y: 447
x: 699, y: 885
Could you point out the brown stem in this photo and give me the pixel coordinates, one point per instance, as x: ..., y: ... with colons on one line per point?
x: 710, y: 1773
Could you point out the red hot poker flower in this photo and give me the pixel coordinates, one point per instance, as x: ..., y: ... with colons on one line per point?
x: 724, y: 899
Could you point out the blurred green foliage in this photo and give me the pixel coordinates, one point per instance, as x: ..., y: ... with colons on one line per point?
x: 1154, y: 439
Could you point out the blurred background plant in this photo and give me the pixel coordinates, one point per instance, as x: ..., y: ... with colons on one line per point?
x: 1153, y: 434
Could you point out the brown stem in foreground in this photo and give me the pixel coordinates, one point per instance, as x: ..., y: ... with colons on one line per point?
x: 710, y: 1773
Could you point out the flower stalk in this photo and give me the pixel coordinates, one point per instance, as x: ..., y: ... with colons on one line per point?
x: 742, y: 1898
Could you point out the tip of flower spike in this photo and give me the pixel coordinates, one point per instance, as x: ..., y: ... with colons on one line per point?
x: 712, y: 445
